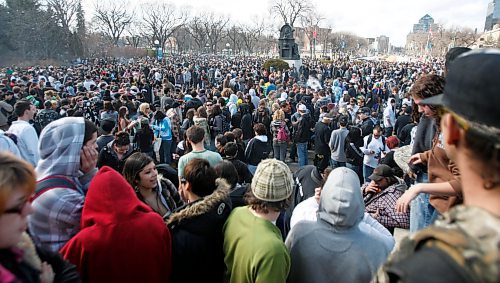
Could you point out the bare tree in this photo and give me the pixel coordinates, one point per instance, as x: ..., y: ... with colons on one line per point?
x: 214, y: 27
x: 291, y: 10
x: 161, y: 20
x: 64, y: 11
x: 235, y: 36
x: 112, y: 18
x: 197, y: 31
x: 252, y: 33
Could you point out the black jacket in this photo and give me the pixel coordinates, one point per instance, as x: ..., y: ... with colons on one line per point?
x: 246, y: 126
x: 244, y: 175
x: 257, y: 150
x: 367, y: 127
x: 303, y: 133
x: 197, y: 238
x: 108, y: 157
x: 322, y: 138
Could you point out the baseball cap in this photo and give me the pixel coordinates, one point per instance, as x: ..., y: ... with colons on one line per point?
x: 302, y: 108
x: 472, y: 94
x: 365, y: 110
x: 380, y: 172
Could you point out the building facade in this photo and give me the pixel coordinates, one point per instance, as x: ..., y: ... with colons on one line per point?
x: 492, y: 15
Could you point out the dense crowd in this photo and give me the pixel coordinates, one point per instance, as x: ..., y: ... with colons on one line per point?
x: 197, y: 168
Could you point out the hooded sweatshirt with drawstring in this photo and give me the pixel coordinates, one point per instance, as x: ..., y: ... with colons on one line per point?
x: 57, y: 212
x: 342, y: 237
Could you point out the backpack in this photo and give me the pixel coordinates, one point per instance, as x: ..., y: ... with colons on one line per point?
x: 50, y: 183
x: 282, y: 135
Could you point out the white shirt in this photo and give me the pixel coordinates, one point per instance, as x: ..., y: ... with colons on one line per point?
x: 389, y: 117
x: 304, y: 211
x: 27, y: 141
x: 377, y: 146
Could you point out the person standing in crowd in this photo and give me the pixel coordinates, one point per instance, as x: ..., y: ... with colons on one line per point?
x: 257, y: 148
x: 46, y: 115
x: 380, y: 196
x: 281, y: 135
x: 109, y: 112
x: 253, y: 246
x: 374, y: 149
x: 343, y: 236
x: 303, y: 134
x: 337, y: 144
x: 354, y: 155
x: 163, y: 130
x: 197, y: 237
x: 365, y: 121
x: 106, y: 129
x: 27, y: 138
x: 116, y: 152
x: 462, y: 246
x: 196, y: 136
x: 231, y: 155
x: 112, y: 219
x: 20, y: 259
x: 322, y: 132
x: 68, y: 159
x: 389, y: 117
x: 155, y: 190
x: 144, y: 138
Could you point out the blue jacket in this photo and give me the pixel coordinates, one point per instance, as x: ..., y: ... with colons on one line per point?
x: 164, y: 128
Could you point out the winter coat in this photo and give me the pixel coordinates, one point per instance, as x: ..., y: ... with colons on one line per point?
x: 197, y: 237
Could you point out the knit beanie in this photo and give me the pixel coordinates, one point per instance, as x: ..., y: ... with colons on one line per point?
x: 272, y: 181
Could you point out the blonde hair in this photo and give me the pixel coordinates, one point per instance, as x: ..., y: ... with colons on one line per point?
x: 279, y: 115
x: 15, y: 174
x: 143, y: 106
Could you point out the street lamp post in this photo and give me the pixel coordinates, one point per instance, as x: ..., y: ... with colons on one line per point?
x: 157, y: 47
x: 227, y: 48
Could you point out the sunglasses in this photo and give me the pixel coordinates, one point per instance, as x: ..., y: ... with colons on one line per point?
x: 16, y: 210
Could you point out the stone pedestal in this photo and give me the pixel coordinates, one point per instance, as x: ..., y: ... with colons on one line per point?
x: 296, y: 63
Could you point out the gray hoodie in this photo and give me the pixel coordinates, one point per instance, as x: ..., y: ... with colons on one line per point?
x: 344, y: 244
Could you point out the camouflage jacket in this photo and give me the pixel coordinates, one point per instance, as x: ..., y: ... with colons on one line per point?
x: 469, y: 236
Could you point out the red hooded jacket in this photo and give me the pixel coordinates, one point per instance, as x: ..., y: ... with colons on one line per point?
x: 121, y: 239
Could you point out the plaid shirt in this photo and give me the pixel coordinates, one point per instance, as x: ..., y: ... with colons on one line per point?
x: 382, y: 206
x: 57, y: 212
x: 174, y: 123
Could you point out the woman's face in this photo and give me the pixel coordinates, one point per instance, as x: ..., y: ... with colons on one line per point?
x: 14, y: 219
x: 148, y: 177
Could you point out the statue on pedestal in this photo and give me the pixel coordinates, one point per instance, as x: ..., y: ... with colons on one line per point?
x: 288, y: 49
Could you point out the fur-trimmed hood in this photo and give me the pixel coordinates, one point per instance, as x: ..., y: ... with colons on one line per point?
x: 218, y: 202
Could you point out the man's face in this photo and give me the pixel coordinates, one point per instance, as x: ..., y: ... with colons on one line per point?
x: 376, y: 134
x: 31, y: 111
x: 423, y: 108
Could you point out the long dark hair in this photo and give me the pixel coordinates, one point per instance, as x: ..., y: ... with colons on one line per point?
x: 134, y: 165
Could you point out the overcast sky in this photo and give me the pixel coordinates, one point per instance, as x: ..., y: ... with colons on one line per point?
x: 367, y: 18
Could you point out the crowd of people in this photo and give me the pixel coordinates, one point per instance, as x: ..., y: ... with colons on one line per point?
x: 185, y: 169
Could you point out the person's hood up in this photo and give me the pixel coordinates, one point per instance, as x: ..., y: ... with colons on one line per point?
x: 341, y: 203
x: 110, y: 200
x: 59, y: 145
x: 252, y: 92
x: 233, y: 98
